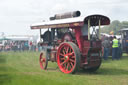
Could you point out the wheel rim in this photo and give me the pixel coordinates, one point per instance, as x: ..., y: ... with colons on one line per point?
x: 42, y: 61
x: 66, y: 58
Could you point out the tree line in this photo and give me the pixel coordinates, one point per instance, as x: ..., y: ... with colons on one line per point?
x: 115, y: 26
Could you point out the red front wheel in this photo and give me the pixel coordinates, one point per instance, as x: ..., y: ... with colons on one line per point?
x: 43, y: 60
x: 68, y: 57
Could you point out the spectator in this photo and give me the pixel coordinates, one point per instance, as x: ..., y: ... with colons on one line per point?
x: 119, y: 49
x: 106, y: 46
x: 115, y: 45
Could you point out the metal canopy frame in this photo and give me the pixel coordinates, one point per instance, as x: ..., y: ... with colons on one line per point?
x: 72, y: 22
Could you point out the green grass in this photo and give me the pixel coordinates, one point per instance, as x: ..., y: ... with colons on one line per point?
x: 22, y: 68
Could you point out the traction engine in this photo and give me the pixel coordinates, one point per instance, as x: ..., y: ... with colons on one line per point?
x: 72, y: 41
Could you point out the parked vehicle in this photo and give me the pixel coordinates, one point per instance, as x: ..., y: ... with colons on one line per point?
x: 124, y: 39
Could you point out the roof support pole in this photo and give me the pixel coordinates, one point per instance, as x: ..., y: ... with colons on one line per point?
x: 40, y: 34
x: 88, y: 29
x: 99, y: 29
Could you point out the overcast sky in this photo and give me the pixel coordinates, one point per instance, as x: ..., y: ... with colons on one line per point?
x: 16, y: 16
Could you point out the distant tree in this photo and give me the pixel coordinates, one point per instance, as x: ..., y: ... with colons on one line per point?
x: 115, y: 26
x: 124, y: 24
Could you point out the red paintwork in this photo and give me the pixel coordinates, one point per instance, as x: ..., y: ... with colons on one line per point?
x: 79, y: 38
x: 76, y: 24
x: 53, y: 55
x: 42, y: 61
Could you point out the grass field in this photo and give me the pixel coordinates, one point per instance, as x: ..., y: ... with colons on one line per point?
x: 22, y: 68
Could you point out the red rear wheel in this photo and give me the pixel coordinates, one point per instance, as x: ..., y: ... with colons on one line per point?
x: 43, y: 60
x: 68, y: 57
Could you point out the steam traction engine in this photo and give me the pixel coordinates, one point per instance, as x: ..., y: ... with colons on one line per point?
x: 73, y: 42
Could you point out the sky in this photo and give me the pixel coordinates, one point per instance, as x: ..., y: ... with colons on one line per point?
x: 16, y: 16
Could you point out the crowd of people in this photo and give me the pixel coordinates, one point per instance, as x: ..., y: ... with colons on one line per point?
x: 19, y: 46
x: 111, y: 47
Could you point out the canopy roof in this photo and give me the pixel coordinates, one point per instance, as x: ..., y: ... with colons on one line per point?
x: 94, y: 20
x: 73, y: 22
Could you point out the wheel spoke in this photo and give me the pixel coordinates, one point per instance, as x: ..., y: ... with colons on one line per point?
x: 61, y: 54
x: 65, y: 65
x: 62, y: 63
x: 72, y: 65
x: 70, y: 50
x: 73, y: 57
x: 41, y: 61
x: 70, y: 54
x: 67, y: 68
x: 67, y: 49
x: 62, y: 58
x: 72, y: 60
